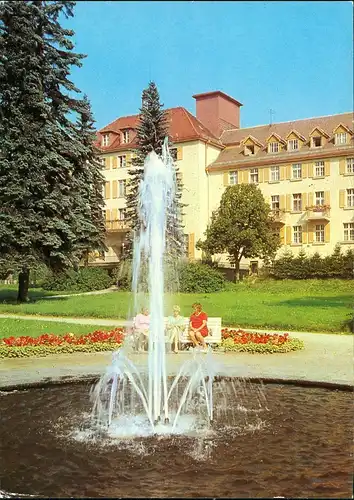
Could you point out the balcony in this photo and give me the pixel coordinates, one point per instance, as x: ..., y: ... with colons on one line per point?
x: 100, y: 259
x: 318, y: 212
x: 117, y: 226
x: 278, y: 216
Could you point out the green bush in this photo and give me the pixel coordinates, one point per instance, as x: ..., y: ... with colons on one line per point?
x: 292, y: 344
x: 47, y: 350
x: 86, y: 279
x: 337, y: 265
x: 200, y: 278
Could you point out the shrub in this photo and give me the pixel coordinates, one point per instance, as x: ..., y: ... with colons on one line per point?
x: 337, y: 265
x: 200, y: 278
x: 85, y: 280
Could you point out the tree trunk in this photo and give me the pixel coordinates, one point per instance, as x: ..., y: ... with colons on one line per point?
x: 23, y: 284
x: 237, y: 270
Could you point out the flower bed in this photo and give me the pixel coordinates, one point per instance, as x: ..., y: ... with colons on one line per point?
x: 266, y: 343
x: 17, y: 347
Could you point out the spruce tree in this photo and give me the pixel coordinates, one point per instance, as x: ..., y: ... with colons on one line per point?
x: 48, y: 177
x: 151, y: 133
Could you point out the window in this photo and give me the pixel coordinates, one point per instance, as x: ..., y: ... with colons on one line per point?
x: 350, y: 197
x: 319, y: 196
x: 105, y: 139
x: 293, y: 144
x: 297, y: 234
x: 350, y: 166
x: 297, y: 205
x: 341, y: 138
x: 102, y: 161
x: 121, y: 189
x: 275, y: 204
x: 348, y: 231
x: 273, y: 147
x: 173, y: 153
x: 296, y: 171
x: 274, y: 174
x: 316, y: 142
x: 122, y: 161
x: 319, y: 233
x: 233, y: 177
x: 319, y: 169
x: 122, y: 213
x: 125, y: 136
x: 249, y: 149
x: 254, y: 175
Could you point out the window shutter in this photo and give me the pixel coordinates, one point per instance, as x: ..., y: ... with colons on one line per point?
x: 341, y: 198
x: 179, y: 153
x: 128, y: 159
x: 260, y: 175
x: 288, y: 234
x: 226, y: 178
x: 342, y: 163
x: 304, y: 168
x: 327, y: 197
x: 288, y: 172
x: 107, y: 190
x: 114, y: 218
x: 310, y: 169
x: 282, y: 173
x: 115, y: 189
x: 266, y: 174
x: 107, y: 162
x: 304, y: 234
x: 288, y: 206
x: 191, y: 246
x: 327, y: 167
x: 115, y: 162
x: 282, y: 235
x: 245, y: 176
x: 303, y: 201
x: 327, y: 231
x: 310, y: 233
x: 310, y: 199
x: 282, y: 205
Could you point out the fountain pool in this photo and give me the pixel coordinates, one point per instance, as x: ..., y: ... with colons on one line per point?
x: 296, y: 443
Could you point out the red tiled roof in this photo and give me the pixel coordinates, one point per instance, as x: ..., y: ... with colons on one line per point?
x: 183, y: 126
x: 233, y: 154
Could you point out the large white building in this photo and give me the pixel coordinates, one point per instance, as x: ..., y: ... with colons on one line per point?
x: 305, y: 169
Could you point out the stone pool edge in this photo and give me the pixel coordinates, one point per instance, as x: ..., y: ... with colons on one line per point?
x: 91, y: 378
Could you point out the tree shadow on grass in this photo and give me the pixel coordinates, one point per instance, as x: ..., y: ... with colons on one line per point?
x: 9, y: 296
x: 319, y: 301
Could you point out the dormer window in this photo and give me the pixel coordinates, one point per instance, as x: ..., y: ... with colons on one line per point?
x: 293, y: 144
x: 341, y: 138
x: 273, y: 147
x: 316, y: 141
x: 249, y: 149
x: 125, y: 136
x: 105, y: 139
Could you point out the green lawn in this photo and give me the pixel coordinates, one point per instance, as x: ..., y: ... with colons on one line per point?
x: 33, y: 328
x: 310, y: 305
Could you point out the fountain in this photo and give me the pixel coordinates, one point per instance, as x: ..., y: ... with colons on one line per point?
x: 112, y: 396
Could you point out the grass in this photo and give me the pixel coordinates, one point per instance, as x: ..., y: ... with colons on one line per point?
x: 33, y: 328
x: 308, y: 305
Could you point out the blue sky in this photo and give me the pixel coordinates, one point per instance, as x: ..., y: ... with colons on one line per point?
x: 292, y: 57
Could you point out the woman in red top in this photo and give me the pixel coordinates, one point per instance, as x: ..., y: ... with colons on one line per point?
x: 198, y: 325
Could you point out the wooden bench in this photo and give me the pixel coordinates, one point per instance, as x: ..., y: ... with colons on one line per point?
x: 214, y: 327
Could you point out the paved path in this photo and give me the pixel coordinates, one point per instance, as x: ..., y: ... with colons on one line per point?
x: 326, y: 358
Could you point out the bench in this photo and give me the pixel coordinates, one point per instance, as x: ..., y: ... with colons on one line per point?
x: 214, y: 327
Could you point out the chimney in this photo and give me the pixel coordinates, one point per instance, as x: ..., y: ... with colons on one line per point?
x: 217, y: 111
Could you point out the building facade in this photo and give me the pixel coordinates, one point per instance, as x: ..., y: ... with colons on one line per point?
x: 304, y: 168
